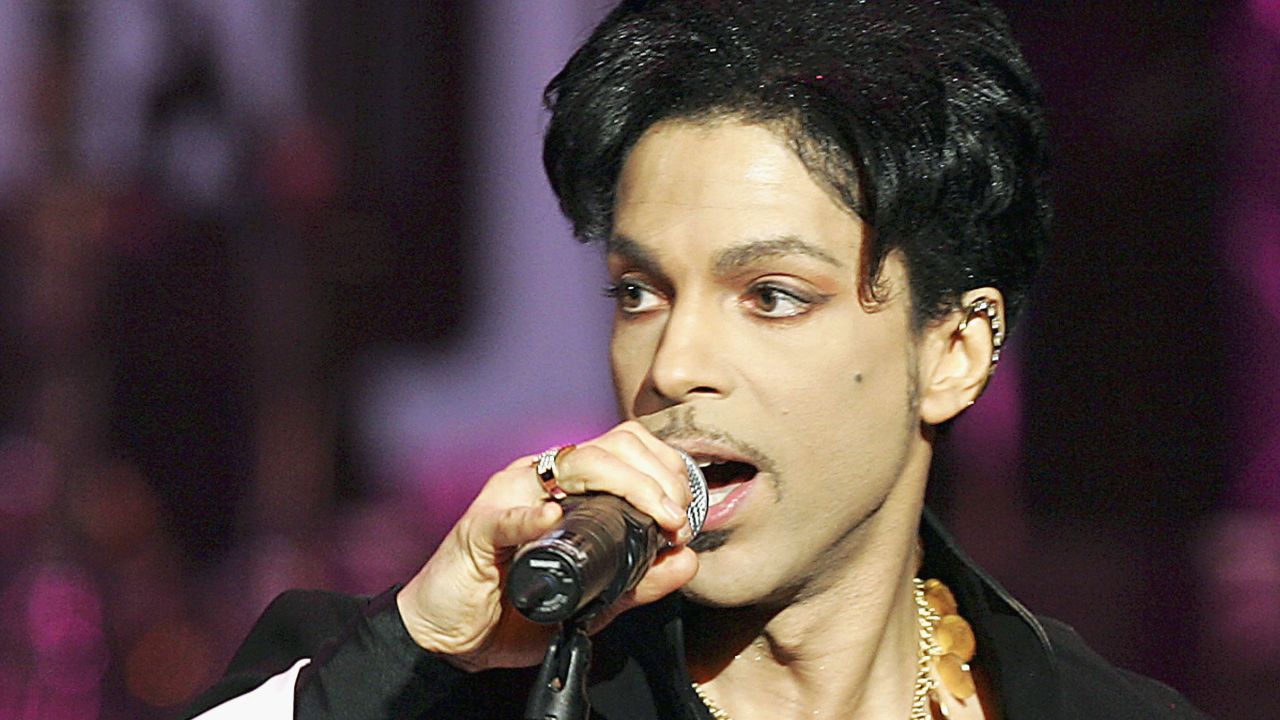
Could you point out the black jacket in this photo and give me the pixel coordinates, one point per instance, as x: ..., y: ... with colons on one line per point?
x: 365, y: 666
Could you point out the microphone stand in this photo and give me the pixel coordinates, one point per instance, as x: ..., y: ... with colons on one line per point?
x: 560, y: 692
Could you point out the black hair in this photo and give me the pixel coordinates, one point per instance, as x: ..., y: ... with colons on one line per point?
x: 922, y: 117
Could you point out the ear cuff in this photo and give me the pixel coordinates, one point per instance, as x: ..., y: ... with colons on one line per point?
x: 988, y: 308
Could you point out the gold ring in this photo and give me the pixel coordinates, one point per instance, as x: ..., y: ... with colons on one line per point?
x: 545, y: 467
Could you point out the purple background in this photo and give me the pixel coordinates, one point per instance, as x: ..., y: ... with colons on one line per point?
x: 282, y: 283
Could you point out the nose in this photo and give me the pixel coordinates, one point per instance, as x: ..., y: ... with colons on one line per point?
x: 690, y: 360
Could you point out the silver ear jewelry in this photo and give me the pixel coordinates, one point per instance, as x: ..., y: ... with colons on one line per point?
x: 989, y: 309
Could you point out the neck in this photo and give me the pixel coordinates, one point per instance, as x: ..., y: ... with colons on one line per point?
x: 844, y: 645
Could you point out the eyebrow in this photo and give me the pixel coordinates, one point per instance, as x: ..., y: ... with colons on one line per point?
x: 742, y: 255
x: 729, y: 259
x: 634, y: 253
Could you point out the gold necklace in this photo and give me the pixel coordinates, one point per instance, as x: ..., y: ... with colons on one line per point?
x: 946, y: 645
x: 717, y: 712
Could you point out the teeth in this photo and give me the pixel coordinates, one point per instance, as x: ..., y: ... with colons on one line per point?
x: 718, y: 494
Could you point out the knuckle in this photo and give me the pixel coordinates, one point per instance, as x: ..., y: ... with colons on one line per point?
x: 623, y: 437
x: 465, y: 528
x: 584, y: 454
x: 653, y: 491
x: 632, y: 443
x: 633, y: 427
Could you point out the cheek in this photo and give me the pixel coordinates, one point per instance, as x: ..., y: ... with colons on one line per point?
x: 629, y: 364
x: 839, y: 393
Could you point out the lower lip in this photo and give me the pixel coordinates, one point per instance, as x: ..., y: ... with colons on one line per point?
x: 723, y: 511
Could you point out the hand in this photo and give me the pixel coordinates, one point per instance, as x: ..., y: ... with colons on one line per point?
x: 455, y: 606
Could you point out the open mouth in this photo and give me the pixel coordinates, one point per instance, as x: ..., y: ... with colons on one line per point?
x: 723, y: 476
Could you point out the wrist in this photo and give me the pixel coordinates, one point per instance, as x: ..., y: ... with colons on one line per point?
x: 428, y: 636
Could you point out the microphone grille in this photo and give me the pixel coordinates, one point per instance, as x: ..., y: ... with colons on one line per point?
x: 698, y: 489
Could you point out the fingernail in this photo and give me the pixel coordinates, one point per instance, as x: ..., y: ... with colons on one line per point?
x: 675, y: 511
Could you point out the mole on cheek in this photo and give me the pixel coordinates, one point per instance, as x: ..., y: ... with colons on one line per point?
x: 857, y: 377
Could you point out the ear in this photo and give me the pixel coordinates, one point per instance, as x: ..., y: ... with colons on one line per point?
x: 959, y: 354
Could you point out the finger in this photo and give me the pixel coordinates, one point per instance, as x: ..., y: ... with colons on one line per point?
x: 661, y: 461
x: 516, y: 484
x: 669, y: 455
x: 592, y: 468
x: 671, y: 571
x: 680, y: 536
x: 634, y: 444
x: 514, y: 526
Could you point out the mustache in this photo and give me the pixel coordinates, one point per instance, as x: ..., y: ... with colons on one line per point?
x: 681, y: 423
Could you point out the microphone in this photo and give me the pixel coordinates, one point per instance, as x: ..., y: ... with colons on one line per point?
x: 600, y: 550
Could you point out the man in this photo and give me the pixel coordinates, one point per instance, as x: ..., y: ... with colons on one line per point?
x: 819, y: 218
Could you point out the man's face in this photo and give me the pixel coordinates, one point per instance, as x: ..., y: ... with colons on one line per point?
x: 739, y: 336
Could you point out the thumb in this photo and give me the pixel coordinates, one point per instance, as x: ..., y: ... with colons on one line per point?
x: 493, y: 535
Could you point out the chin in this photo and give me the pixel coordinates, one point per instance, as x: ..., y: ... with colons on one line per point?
x: 723, y: 581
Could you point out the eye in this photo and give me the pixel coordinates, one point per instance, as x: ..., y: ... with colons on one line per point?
x: 773, y: 301
x: 633, y: 296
